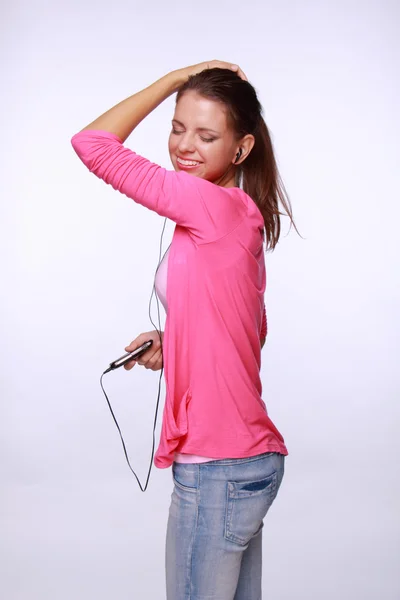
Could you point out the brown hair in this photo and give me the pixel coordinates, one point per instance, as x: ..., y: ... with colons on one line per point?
x: 258, y: 172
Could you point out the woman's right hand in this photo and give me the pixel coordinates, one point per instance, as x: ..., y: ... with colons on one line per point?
x: 152, y: 358
x: 211, y: 64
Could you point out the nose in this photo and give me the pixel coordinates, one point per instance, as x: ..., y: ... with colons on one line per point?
x: 186, y: 143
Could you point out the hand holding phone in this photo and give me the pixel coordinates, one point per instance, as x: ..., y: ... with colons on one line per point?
x: 150, y: 358
x: 122, y: 360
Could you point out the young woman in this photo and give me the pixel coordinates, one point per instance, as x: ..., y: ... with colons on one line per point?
x: 227, y: 456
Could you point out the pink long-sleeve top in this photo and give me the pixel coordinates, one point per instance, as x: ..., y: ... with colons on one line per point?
x: 161, y: 280
x: 215, y: 295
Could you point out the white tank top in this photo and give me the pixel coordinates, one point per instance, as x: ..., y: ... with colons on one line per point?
x: 161, y: 280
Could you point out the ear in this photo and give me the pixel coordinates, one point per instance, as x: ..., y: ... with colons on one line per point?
x: 246, y: 145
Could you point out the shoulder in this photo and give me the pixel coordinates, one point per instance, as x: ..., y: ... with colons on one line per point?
x: 232, y: 196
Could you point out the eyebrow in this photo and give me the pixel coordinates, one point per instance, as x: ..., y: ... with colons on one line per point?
x: 198, y: 129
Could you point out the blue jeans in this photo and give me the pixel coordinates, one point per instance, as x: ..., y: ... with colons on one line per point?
x: 214, y: 531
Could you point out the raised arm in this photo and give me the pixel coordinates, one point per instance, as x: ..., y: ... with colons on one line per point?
x: 208, y: 210
x: 124, y: 117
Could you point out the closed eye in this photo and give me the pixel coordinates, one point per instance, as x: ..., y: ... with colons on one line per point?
x: 176, y: 132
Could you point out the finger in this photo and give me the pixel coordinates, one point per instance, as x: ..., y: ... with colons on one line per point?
x: 157, y: 365
x: 225, y: 65
x: 222, y: 64
x: 156, y: 343
x: 144, y: 358
x: 239, y: 71
x: 154, y: 360
x: 129, y: 365
x: 133, y: 345
x: 138, y: 341
x: 141, y: 339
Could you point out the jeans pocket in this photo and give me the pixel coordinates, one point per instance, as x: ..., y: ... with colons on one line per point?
x: 184, y: 478
x: 247, y: 503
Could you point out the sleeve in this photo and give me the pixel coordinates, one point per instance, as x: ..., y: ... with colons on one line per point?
x: 264, y: 328
x: 208, y: 210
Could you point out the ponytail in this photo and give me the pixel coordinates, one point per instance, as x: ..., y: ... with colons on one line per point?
x: 262, y: 182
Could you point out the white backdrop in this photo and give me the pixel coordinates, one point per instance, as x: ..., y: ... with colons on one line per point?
x: 78, y: 266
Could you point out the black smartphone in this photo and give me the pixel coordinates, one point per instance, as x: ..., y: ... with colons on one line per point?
x: 130, y: 355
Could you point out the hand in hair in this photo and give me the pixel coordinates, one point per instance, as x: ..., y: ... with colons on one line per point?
x: 212, y: 64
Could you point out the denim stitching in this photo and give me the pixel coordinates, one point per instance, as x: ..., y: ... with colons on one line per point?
x: 237, y: 461
x: 231, y: 498
x: 194, y: 533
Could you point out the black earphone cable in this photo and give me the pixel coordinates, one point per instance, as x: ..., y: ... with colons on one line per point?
x: 143, y: 489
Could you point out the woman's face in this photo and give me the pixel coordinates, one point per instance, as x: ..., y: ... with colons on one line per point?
x: 201, y: 135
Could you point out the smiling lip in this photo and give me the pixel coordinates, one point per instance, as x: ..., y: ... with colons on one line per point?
x: 181, y: 166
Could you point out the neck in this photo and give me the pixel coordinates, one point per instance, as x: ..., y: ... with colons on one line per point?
x: 227, y: 179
